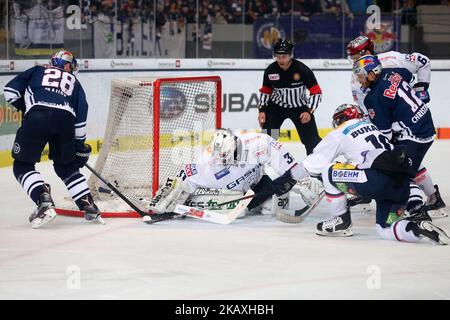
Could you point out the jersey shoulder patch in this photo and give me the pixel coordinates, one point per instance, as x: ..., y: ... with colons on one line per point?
x: 190, y: 169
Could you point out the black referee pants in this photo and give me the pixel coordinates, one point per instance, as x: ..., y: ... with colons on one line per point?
x: 307, y: 132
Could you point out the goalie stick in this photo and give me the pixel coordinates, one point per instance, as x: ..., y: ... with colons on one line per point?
x: 303, y: 213
x: 209, y: 215
x: 182, y: 211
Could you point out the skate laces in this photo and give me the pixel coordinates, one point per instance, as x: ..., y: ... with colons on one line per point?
x: 332, y: 222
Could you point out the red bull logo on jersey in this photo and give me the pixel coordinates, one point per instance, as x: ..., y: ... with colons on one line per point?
x: 383, y: 38
x: 395, y: 80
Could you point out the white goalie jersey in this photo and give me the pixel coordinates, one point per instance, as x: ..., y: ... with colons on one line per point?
x: 416, y: 63
x: 353, y: 140
x: 257, y: 150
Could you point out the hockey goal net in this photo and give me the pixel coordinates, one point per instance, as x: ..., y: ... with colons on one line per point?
x: 154, y: 126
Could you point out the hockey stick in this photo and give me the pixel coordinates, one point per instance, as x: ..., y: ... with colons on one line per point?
x: 302, y: 214
x: 249, y: 196
x: 182, y: 211
x: 215, y: 217
x: 134, y: 197
x: 122, y: 196
x: 127, y: 195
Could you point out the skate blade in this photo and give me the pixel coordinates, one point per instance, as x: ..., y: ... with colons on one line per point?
x: 39, y: 222
x: 99, y: 220
x: 336, y: 234
x: 443, y: 237
x: 438, y: 214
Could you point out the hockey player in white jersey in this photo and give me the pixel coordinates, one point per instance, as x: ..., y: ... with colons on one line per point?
x: 234, y: 163
x: 373, y: 168
x: 419, y: 66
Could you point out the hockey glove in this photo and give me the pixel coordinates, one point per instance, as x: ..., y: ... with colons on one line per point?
x: 82, y: 153
x: 421, y: 89
x: 309, y: 189
x: 283, y: 183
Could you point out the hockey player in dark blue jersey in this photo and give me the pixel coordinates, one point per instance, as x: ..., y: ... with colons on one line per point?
x: 395, y: 109
x: 55, y: 109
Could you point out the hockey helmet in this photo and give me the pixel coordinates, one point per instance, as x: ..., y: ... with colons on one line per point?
x: 226, y: 147
x: 283, y: 47
x: 365, y: 64
x: 60, y: 58
x: 359, y: 46
x: 346, y: 112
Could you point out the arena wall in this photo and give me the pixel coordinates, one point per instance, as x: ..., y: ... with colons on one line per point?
x: 241, y: 80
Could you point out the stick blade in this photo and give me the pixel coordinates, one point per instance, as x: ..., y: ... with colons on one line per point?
x: 212, y: 216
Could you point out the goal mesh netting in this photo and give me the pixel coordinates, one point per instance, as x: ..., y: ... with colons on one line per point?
x: 154, y: 126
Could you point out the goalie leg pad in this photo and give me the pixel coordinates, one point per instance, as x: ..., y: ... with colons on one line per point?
x: 209, y: 198
x: 174, y: 192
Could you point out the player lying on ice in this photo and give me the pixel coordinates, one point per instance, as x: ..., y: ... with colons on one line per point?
x: 232, y: 166
x: 373, y: 169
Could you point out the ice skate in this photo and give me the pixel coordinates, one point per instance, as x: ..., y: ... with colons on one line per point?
x: 428, y: 230
x: 340, y: 226
x: 45, y: 212
x: 92, y: 213
x: 436, y: 206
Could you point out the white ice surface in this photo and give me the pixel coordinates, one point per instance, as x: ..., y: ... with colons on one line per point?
x: 254, y: 258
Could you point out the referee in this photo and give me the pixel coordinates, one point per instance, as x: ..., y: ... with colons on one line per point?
x: 284, y: 95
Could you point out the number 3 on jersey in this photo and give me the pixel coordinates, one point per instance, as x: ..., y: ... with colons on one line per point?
x: 288, y: 157
x: 59, y: 79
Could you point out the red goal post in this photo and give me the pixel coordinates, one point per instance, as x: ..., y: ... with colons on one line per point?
x: 154, y: 126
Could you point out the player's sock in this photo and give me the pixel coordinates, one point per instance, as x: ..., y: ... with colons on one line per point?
x: 77, y: 186
x: 401, y: 232
x: 30, y: 180
x: 416, y: 198
x: 424, y: 181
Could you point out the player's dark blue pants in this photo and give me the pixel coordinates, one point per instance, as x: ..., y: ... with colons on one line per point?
x: 416, y: 152
x: 42, y: 125
x: 390, y: 193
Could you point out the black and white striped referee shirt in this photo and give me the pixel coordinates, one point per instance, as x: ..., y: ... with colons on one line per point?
x: 296, y: 87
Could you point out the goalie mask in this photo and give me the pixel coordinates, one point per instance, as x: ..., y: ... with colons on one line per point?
x: 346, y: 112
x: 227, y: 147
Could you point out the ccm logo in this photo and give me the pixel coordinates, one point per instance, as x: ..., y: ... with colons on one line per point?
x: 196, y: 213
x: 274, y: 76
